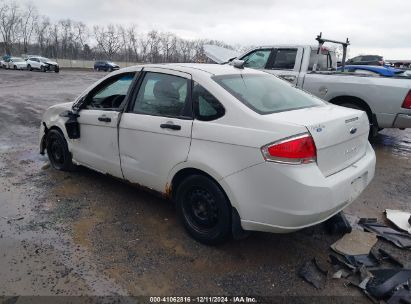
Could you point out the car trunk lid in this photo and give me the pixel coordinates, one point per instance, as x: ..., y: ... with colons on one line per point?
x: 340, y: 134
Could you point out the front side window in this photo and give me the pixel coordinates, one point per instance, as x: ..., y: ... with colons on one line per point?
x: 163, y: 95
x: 285, y: 59
x: 111, y: 93
x: 206, y: 106
x: 266, y: 94
x: 257, y: 59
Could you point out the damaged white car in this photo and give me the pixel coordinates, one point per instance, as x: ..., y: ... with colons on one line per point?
x: 236, y: 149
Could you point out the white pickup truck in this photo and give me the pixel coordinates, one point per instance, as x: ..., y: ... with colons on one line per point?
x: 387, y: 100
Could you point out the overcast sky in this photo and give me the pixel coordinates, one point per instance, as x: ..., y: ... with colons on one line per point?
x: 373, y: 26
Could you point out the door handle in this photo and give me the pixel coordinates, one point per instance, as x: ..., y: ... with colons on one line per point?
x: 104, y: 118
x: 170, y: 126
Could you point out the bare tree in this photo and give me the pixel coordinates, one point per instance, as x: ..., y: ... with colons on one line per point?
x: 28, y: 24
x: 108, y: 39
x: 9, y: 22
x: 41, y: 32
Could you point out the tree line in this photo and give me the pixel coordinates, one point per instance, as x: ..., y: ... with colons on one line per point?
x: 23, y: 30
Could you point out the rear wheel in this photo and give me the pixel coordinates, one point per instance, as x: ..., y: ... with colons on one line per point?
x: 29, y: 68
x: 373, y: 128
x: 57, y: 151
x: 14, y: 67
x: 43, y: 68
x: 204, y: 209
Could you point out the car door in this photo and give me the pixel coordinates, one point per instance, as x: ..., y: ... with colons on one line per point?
x: 100, y: 109
x: 155, y: 131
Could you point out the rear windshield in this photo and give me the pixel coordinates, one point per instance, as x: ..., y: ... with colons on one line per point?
x: 326, y: 61
x: 266, y: 94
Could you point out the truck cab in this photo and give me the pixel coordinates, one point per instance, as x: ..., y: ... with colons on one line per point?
x: 290, y: 62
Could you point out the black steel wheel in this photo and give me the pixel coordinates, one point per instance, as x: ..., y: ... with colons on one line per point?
x: 204, y: 209
x: 57, y: 151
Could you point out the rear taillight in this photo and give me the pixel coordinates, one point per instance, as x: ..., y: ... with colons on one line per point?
x: 407, y: 101
x: 298, y: 149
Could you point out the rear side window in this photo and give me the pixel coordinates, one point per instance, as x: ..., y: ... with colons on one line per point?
x: 284, y: 59
x: 163, y: 95
x: 206, y: 106
x: 266, y: 94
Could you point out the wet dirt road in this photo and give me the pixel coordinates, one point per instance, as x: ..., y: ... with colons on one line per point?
x: 83, y: 233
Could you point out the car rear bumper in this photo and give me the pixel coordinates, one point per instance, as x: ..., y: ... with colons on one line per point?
x: 402, y: 121
x: 281, y: 198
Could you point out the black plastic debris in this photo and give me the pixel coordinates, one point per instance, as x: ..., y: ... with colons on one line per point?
x: 337, y: 260
x: 391, y: 257
x: 384, y: 281
x: 313, y: 272
x: 337, y: 224
x: 401, y: 296
x: 367, y: 260
x: 399, y: 239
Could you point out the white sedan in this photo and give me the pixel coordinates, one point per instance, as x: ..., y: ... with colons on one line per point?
x: 16, y: 63
x: 236, y: 149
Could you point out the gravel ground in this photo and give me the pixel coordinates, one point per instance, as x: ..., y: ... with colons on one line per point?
x: 83, y: 233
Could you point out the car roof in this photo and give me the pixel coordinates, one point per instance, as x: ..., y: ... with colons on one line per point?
x: 198, y: 68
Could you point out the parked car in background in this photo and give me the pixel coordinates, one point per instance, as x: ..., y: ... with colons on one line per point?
x: 104, y: 65
x: 366, y: 60
x: 4, y: 60
x: 41, y: 63
x: 387, y: 101
x: 234, y: 148
x: 386, y: 71
x: 16, y: 63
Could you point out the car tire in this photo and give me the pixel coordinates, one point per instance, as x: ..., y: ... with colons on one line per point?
x: 204, y: 210
x: 43, y: 68
x: 373, y: 128
x: 14, y: 67
x: 29, y: 68
x: 57, y: 151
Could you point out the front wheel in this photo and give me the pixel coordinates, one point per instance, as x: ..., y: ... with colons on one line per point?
x: 204, y: 210
x: 43, y: 68
x: 57, y: 151
x: 29, y: 68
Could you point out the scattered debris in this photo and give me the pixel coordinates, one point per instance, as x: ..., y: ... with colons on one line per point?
x: 400, y: 219
x: 338, y: 224
x: 342, y: 273
x: 367, y: 260
x: 389, y: 256
x: 401, y: 296
x: 313, y: 273
x: 400, y: 239
x: 45, y: 166
x: 386, y: 280
x: 355, y: 243
x: 10, y: 219
x: 336, y: 260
